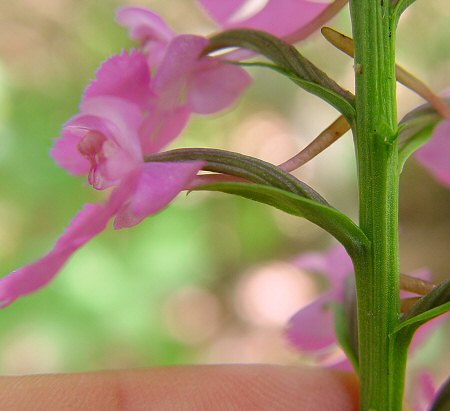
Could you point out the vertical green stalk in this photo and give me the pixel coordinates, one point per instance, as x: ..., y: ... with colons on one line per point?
x: 376, y: 148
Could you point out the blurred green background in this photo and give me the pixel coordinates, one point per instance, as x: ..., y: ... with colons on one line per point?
x: 208, y: 279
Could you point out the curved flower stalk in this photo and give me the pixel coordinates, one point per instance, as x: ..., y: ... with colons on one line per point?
x: 183, y: 82
x: 106, y: 141
x: 312, y: 329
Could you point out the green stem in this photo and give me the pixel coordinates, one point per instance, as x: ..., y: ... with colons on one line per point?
x: 377, y: 156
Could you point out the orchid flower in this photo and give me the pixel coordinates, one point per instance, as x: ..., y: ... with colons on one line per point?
x: 108, y: 139
x: 311, y: 329
x: 184, y: 82
x: 105, y: 141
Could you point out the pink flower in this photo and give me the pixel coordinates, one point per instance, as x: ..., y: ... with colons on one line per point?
x: 106, y: 142
x: 184, y: 82
x: 278, y: 17
x: 108, y: 139
x: 311, y: 329
x: 425, y: 393
x: 435, y: 154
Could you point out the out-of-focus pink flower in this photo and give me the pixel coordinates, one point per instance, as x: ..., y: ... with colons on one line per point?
x: 311, y: 329
x: 425, y: 393
x: 278, y: 17
x: 106, y: 142
x: 435, y: 154
x: 184, y: 81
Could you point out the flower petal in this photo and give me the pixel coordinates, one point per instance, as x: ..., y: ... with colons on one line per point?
x: 312, y: 327
x: 180, y: 60
x: 161, y: 127
x: 424, y: 392
x: 278, y: 17
x: 90, y: 221
x: 116, y: 123
x: 425, y: 331
x: 314, y: 262
x: 221, y: 11
x: 154, y: 185
x: 216, y: 86
x: 147, y: 28
x: 340, y: 266
x: 435, y: 155
x: 122, y: 118
x: 343, y: 365
x: 126, y: 76
x: 204, y: 84
x: 65, y: 152
x: 335, y: 265
x: 122, y: 151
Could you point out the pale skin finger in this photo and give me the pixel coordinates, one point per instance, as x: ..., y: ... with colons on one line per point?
x: 184, y: 388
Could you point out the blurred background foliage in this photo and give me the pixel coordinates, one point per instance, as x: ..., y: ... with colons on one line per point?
x: 209, y: 279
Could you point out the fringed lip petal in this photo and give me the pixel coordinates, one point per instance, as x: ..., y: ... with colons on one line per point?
x: 125, y: 76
